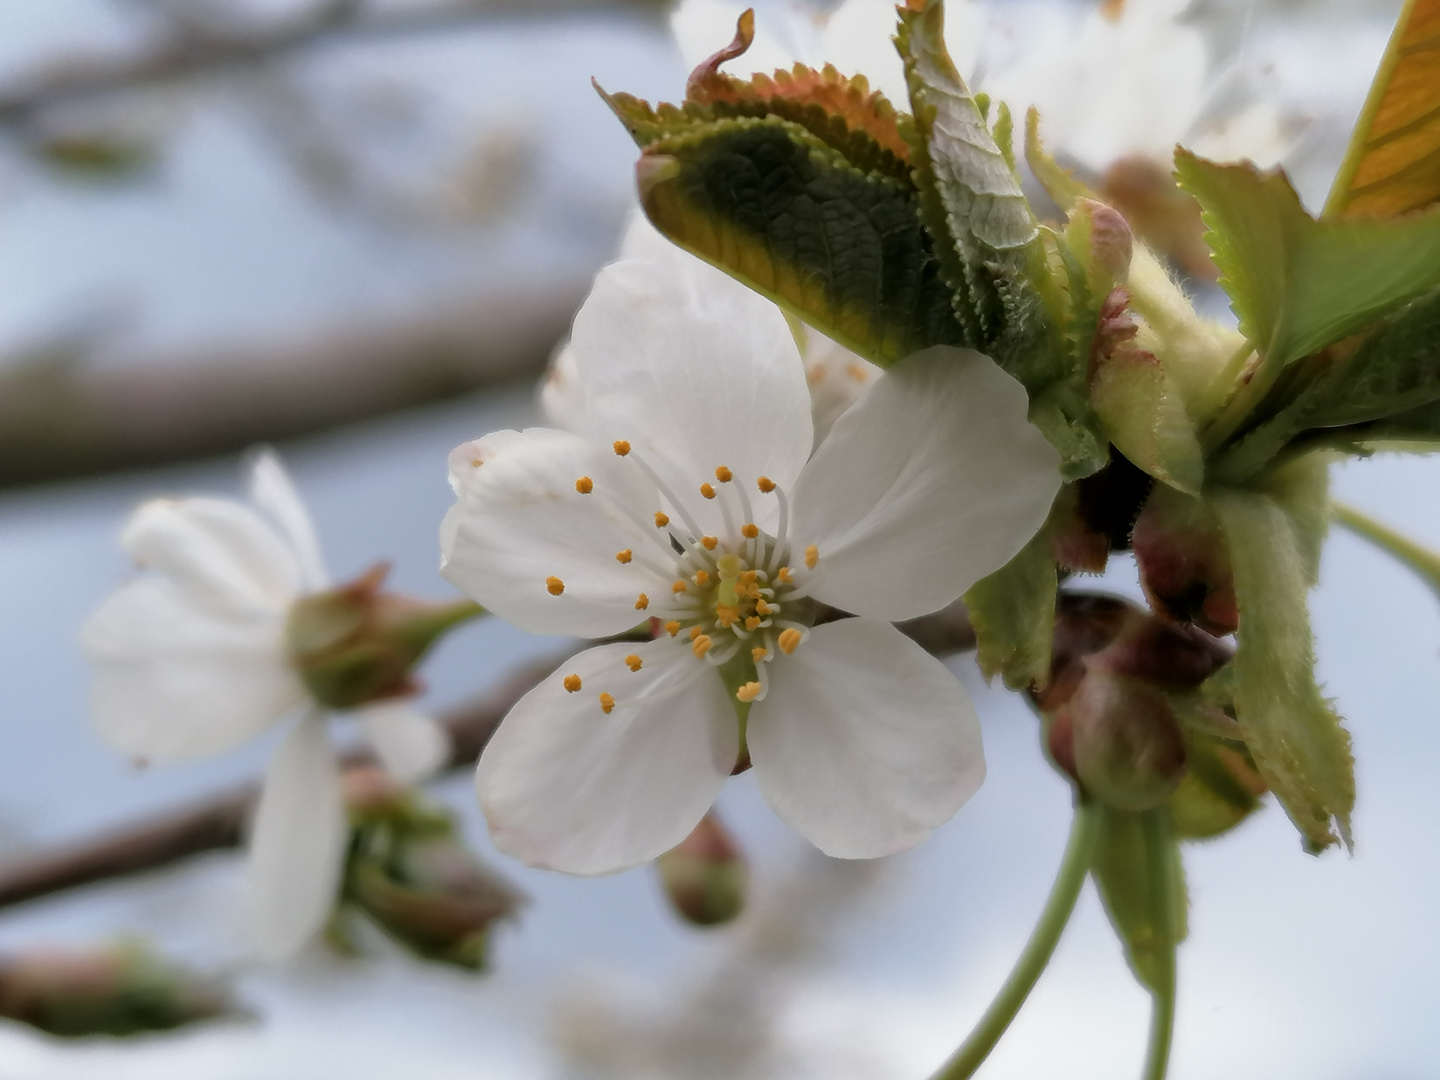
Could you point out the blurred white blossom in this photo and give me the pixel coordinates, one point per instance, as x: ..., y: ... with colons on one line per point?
x: 191, y: 659
x: 686, y: 493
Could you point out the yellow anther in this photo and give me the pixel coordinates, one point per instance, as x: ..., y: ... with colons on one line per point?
x: 624, y: 556
x: 759, y: 653
x: 784, y: 576
x: 695, y: 632
x: 752, y: 623
x: 633, y: 662
x: 816, y: 375
x: 789, y: 640
x: 554, y: 586
x: 678, y: 587
x: 812, y: 556
x: 642, y: 602
x: 762, y: 608
x: 701, y: 645
x: 701, y: 577
x: 621, y: 447
x: 749, y: 531
x: 708, y: 542
x: 749, y: 692
x: 707, y: 490
x: 661, y: 520
x: 747, y: 577
x: 672, y: 627
x: 765, y: 484
x: 584, y: 485
x: 475, y: 463
x: 856, y: 372
x: 606, y: 703
x: 726, y: 616
x: 723, y: 474
x: 571, y: 683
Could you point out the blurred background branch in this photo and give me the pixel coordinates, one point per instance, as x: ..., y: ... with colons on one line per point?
x: 61, y: 418
x: 193, y: 46
x: 219, y: 822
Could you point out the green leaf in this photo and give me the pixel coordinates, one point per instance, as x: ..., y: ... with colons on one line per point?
x: 989, y: 243
x: 1298, y: 284
x: 1141, y: 879
x: 785, y: 213
x: 1392, y: 165
x: 1293, y: 735
x: 1013, y: 613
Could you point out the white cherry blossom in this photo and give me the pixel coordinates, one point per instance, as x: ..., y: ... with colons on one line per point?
x: 190, y: 660
x: 836, y: 376
x: 686, y: 493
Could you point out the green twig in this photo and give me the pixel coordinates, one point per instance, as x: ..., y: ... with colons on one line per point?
x: 1421, y: 560
x: 1074, y: 867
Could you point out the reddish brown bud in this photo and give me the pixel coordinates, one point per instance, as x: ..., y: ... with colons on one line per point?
x: 1129, y: 749
x: 1184, y: 564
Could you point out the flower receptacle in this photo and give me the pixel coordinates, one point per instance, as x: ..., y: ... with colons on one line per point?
x: 356, y: 644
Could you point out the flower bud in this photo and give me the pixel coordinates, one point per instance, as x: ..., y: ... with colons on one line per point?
x: 355, y: 644
x: 1129, y: 751
x: 1183, y: 562
x: 110, y: 990
x: 433, y: 897
x: 705, y: 875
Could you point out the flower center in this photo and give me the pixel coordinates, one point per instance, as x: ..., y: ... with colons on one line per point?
x: 736, y: 596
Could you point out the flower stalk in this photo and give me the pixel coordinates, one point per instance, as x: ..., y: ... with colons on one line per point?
x: 1059, y: 905
x: 1424, y: 562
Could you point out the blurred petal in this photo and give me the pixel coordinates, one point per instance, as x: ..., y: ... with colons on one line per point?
x: 174, y: 679
x: 221, y: 552
x: 865, y: 742
x: 274, y: 492
x: 695, y: 371
x: 934, y: 479
x: 837, y: 378
x: 297, y: 842
x: 566, y: 786
x: 562, y: 398
x: 519, y: 526
x: 408, y: 743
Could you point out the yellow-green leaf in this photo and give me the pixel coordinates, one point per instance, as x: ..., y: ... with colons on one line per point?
x: 1393, y: 163
x: 1013, y: 612
x: 1298, y: 284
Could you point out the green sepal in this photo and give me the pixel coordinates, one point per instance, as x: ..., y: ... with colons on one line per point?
x: 1013, y: 613
x: 1220, y: 788
x: 1298, y: 284
x: 1141, y: 879
x: 1293, y: 735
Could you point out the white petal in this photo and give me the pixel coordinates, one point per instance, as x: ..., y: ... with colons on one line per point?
x: 837, y: 378
x: 221, y: 552
x: 864, y: 742
x: 704, y: 27
x: 643, y: 241
x: 409, y: 744
x: 695, y: 371
x: 562, y: 398
x: 933, y: 480
x: 297, y: 842
x: 519, y: 521
x: 274, y: 492
x: 568, y: 787
x: 174, y: 679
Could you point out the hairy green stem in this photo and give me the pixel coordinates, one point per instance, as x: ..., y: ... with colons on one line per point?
x: 1421, y: 560
x: 1074, y: 867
